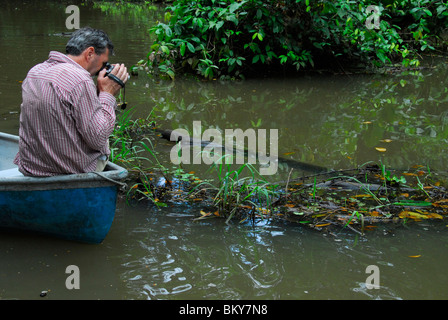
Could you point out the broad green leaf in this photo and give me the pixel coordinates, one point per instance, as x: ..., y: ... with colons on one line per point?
x: 191, y: 47
x: 165, y: 49
x: 182, y: 48
x: 219, y: 25
x: 233, y: 7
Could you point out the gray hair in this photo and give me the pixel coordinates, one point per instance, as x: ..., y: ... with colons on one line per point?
x: 88, y: 37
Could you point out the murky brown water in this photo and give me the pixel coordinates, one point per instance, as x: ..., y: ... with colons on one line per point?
x: 334, y: 121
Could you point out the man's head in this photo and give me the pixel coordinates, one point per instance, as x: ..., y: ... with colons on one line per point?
x: 91, y: 48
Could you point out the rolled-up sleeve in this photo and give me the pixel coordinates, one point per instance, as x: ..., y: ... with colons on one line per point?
x: 94, y: 115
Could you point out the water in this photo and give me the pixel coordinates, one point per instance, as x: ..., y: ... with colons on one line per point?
x: 335, y: 121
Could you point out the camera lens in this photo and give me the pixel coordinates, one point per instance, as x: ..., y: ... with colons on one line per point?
x: 109, y: 68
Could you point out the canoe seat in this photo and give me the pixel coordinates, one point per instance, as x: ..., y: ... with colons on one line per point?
x: 14, y: 172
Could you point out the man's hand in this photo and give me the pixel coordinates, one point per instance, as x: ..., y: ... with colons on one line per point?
x: 108, y: 85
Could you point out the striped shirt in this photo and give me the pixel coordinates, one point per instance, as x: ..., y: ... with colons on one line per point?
x: 64, y: 123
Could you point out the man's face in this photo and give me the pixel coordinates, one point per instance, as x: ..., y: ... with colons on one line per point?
x: 97, y: 62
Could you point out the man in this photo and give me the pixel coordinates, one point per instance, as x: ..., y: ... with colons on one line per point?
x: 65, y: 120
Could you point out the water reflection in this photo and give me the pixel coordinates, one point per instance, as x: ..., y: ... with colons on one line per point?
x: 197, y: 260
x: 332, y: 121
x: 374, y: 294
x: 173, y: 257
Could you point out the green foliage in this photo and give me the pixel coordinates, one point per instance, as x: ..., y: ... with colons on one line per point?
x: 229, y: 38
x: 235, y: 191
x: 127, y: 152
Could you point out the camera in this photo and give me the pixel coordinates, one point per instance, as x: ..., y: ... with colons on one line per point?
x: 109, y: 68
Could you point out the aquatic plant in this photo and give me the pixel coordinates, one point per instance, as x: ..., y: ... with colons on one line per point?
x: 124, y: 149
x: 239, y: 193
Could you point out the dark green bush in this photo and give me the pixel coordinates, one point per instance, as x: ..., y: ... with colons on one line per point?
x: 235, y: 38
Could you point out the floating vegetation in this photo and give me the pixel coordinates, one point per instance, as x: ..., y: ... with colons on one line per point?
x: 365, y: 199
x: 359, y: 199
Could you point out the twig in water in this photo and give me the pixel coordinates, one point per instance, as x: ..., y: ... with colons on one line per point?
x: 287, y: 182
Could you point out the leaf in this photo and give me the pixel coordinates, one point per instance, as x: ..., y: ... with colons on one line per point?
x: 168, y: 31
x: 434, y: 216
x: 182, y: 48
x: 165, y: 49
x: 200, y: 23
x: 233, y: 7
x: 219, y: 25
x: 232, y: 18
x: 413, y: 203
x: 439, y: 203
x: 161, y: 204
x: 412, y: 215
x: 380, y: 54
x: 205, y: 215
x: 170, y: 73
x: 380, y: 149
x: 322, y: 225
x: 191, y: 47
x: 417, y: 256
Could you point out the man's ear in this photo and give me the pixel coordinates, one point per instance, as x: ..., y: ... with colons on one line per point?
x: 89, y: 54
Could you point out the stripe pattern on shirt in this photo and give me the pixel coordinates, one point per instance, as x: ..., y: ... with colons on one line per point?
x: 64, y: 123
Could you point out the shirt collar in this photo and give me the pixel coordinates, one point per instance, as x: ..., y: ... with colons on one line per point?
x: 62, y: 58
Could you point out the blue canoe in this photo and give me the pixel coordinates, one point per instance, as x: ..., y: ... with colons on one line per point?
x: 78, y: 207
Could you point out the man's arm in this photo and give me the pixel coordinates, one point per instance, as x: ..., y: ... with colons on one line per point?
x: 94, y: 115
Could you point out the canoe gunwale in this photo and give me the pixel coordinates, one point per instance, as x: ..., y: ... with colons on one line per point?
x: 112, y: 174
